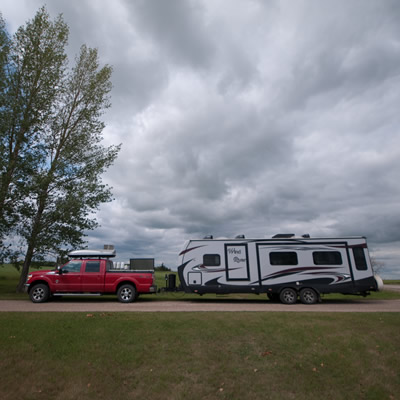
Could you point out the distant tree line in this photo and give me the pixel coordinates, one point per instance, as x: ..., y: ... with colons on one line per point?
x: 162, y: 267
x: 52, y: 157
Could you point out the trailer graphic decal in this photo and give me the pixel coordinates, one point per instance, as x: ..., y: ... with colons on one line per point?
x: 187, y: 250
x: 203, y: 268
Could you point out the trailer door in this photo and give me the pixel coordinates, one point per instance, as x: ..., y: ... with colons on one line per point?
x: 237, y: 262
x: 361, y: 266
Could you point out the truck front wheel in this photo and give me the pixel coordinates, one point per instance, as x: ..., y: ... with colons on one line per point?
x: 126, y: 294
x: 40, y: 293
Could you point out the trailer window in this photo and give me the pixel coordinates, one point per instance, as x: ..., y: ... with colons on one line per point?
x: 359, y: 257
x: 283, y: 258
x: 212, y: 260
x: 327, y: 258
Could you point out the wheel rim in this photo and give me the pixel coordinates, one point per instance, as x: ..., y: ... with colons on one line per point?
x: 38, y: 294
x: 309, y: 296
x: 126, y: 294
x: 289, y: 296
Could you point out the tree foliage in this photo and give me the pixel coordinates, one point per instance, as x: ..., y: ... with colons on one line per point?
x: 51, y: 133
x: 33, y: 65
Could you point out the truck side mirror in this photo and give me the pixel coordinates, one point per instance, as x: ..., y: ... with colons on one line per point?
x: 60, y: 271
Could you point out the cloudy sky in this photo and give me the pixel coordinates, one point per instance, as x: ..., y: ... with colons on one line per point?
x: 245, y: 117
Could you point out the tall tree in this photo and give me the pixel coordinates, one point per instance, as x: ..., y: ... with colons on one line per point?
x: 33, y: 65
x: 50, y: 138
x: 66, y: 187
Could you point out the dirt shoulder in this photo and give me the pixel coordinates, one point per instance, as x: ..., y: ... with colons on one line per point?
x: 94, y: 305
x: 392, y: 288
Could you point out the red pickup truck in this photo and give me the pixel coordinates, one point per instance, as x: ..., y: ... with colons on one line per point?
x: 90, y: 273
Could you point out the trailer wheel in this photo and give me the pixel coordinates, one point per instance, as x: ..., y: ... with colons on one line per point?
x: 40, y: 293
x: 308, y: 296
x: 126, y: 294
x: 288, y: 296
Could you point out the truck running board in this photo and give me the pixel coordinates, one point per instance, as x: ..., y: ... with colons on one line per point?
x: 77, y: 294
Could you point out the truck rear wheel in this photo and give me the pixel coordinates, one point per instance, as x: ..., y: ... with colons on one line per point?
x: 126, y: 294
x: 40, y: 293
x: 308, y: 296
x: 288, y: 296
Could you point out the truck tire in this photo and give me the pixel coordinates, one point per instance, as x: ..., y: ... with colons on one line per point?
x: 288, y: 296
x: 39, y: 293
x: 308, y: 296
x: 127, y: 293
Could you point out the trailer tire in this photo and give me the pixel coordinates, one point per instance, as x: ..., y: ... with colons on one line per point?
x: 126, y: 293
x: 308, y: 296
x: 39, y: 293
x: 288, y: 296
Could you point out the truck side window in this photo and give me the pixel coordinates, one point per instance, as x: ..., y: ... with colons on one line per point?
x: 110, y: 265
x: 73, y: 266
x: 359, y: 257
x: 327, y: 258
x: 283, y: 258
x: 212, y: 260
x: 92, y: 266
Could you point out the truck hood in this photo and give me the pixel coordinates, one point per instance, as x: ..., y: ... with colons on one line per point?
x: 42, y: 272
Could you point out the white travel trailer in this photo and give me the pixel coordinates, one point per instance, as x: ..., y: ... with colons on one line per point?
x: 284, y: 267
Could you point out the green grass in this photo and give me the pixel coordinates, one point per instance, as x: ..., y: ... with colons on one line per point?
x: 9, y: 277
x: 392, y: 281
x: 199, y: 356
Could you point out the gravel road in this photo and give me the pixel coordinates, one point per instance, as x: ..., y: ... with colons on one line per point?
x: 143, y: 305
x: 150, y: 304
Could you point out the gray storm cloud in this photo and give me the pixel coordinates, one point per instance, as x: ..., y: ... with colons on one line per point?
x: 249, y: 117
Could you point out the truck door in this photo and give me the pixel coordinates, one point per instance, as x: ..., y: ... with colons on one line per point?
x: 70, y: 279
x: 93, y: 276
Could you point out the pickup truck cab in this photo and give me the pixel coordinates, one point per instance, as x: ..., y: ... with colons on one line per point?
x: 90, y: 272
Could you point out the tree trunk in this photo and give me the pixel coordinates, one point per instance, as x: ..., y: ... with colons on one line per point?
x: 25, y: 268
x: 32, y: 241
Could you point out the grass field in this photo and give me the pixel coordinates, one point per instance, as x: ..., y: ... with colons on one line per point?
x: 199, y: 356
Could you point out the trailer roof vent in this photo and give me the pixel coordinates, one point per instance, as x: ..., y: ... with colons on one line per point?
x: 306, y: 236
x: 283, y: 236
x: 208, y: 237
x: 240, y: 237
